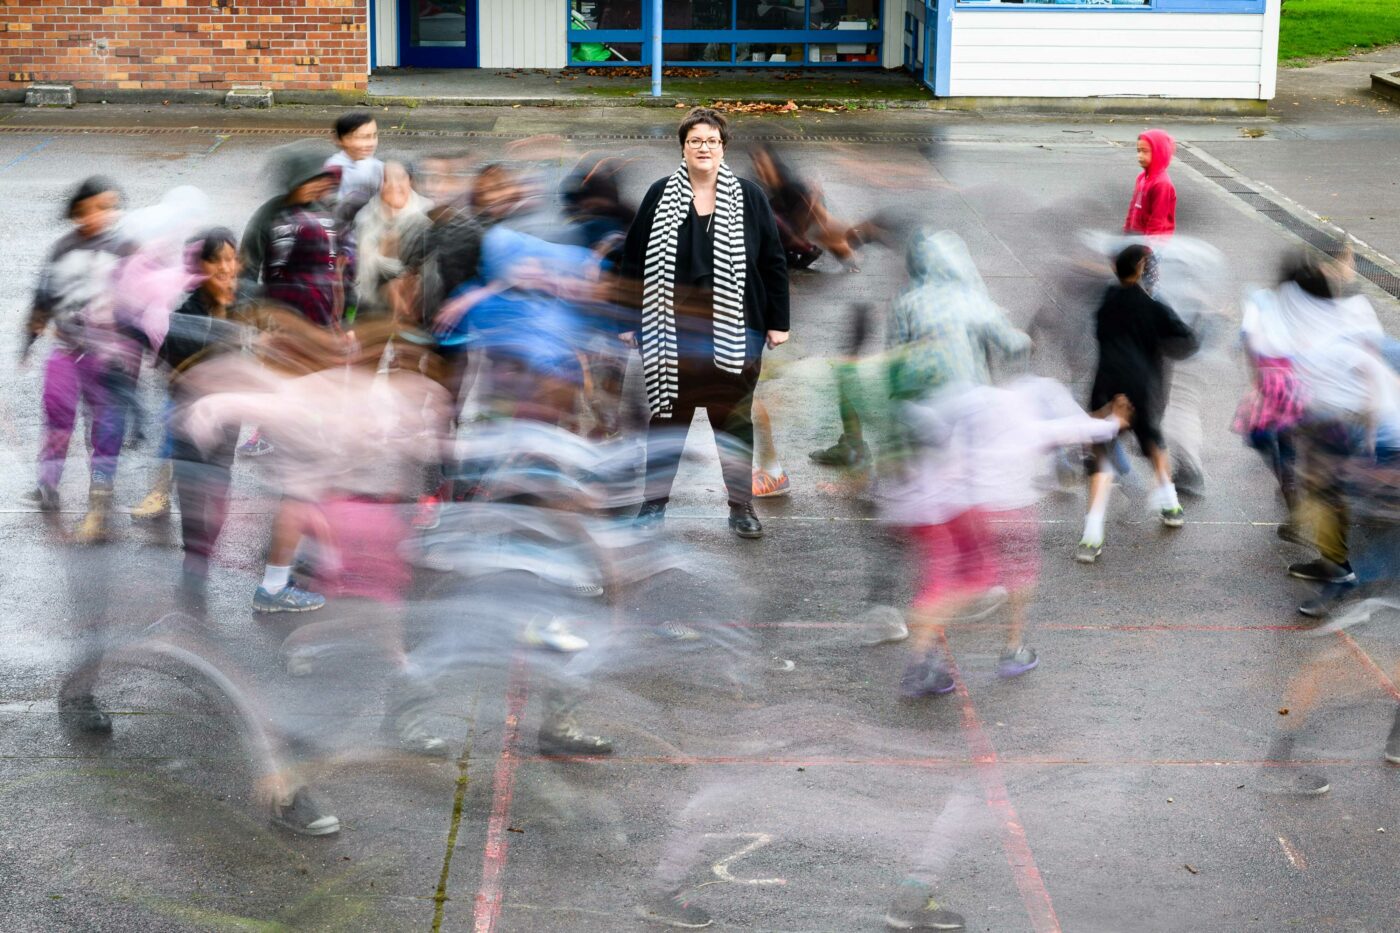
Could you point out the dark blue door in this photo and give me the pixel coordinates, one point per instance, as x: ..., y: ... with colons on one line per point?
x: 437, y: 33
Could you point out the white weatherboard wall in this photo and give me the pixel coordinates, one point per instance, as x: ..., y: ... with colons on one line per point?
x: 1098, y: 53
x: 523, y: 33
x: 386, y: 33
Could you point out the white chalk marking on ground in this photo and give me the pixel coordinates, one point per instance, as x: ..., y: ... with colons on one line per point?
x: 1295, y: 858
x: 721, y: 868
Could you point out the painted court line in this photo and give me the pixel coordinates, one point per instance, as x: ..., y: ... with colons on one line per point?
x: 493, y: 860
x: 1375, y: 669
x: 930, y: 762
x: 1018, y: 850
x: 1295, y: 858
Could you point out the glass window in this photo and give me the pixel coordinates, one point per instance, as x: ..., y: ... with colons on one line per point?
x: 586, y: 53
x: 605, y: 14
x: 845, y: 14
x: 772, y: 14
x: 437, y: 27
x: 698, y: 14
x: 832, y: 53
x: 769, y: 52
x: 697, y: 52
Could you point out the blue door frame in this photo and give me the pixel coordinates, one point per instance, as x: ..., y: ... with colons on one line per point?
x: 459, y: 54
x: 937, y: 49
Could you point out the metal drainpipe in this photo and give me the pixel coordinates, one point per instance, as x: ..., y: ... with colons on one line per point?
x: 656, y: 48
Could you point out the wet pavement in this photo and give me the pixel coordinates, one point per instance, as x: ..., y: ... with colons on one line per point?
x: 1117, y: 787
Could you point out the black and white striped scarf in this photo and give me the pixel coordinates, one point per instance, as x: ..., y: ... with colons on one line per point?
x: 660, y: 364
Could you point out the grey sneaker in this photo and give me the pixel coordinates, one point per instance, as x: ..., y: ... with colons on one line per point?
x: 1088, y: 551
x: 914, y: 908
x: 290, y: 599
x: 673, y: 910
x: 303, y: 816
x: 882, y: 625
x: 1293, y: 783
x: 1015, y: 663
x: 676, y: 631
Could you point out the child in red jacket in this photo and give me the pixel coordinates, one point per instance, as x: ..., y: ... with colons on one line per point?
x: 1153, y: 208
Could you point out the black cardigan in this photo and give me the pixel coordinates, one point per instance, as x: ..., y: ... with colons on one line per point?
x: 766, y: 284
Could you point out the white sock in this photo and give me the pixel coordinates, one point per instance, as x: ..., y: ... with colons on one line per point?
x: 1166, y: 496
x: 1093, y: 528
x: 276, y: 579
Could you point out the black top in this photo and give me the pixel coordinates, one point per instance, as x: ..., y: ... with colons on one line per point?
x: 766, y: 283
x: 695, y: 251
x: 1135, y: 335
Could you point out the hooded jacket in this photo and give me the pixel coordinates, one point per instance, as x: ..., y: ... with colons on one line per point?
x: 1153, y: 208
x: 944, y: 326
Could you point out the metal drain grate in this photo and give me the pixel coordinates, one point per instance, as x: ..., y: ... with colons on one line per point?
x: 1384, y: 279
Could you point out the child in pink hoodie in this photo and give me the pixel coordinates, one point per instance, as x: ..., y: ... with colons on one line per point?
x: 1153, y: 208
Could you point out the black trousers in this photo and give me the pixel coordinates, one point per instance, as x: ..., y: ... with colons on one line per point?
x: 728, y: 401
x: 202, y: 484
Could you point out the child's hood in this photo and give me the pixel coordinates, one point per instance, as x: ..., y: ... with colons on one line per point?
x: 941, y: 257
x: 1163, y: 147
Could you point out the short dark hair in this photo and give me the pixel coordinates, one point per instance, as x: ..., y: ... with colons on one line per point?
x: 703, y: 116
x: 1126, y: 263
x: 207, y: 243
x: 1303, y: 269
x: 348, y: 123
x: 89, y: 187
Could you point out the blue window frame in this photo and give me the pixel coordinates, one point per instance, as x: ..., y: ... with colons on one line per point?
x: 773, y: 33
x: 1145, y: 6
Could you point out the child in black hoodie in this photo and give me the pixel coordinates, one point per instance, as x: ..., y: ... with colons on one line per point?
x: 1135, y: 334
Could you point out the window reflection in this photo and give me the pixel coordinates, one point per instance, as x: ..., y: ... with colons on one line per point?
x: 698, y: 14
x: 772, y: 14
x: 605, y: 14
x: 845, y: 14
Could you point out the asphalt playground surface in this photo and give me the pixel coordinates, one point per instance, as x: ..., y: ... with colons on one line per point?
x: 1115, y: 788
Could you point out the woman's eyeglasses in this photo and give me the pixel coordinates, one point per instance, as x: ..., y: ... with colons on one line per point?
x: 705, y: 143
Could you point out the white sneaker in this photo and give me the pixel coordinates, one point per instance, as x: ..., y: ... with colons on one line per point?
x: 553, y: 634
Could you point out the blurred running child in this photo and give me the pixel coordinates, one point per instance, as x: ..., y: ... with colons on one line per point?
x: 1135, y: 333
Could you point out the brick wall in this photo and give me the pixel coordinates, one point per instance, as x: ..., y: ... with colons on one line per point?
x: 185, y: 44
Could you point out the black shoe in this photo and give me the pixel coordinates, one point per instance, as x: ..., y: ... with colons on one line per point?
x: 743, y: 522
x: 43, y: 497
x: 927, y: 678
x: 842, y: 454
x: 650, y: 517
x: 915, y: 909
x: 1322, y: 570
x: 83, y: 713
x: 1392, y: 742
x: 1327, y: 600
x: 560, y: 735
x: 673, y: 911
x: 303, y: 816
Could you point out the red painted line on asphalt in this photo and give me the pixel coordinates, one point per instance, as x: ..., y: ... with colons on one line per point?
x: 838, y: 762
x: 1380, y: 676
x: 493, y: 861
x: 1044, y: 627
x: 1018, y: 850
